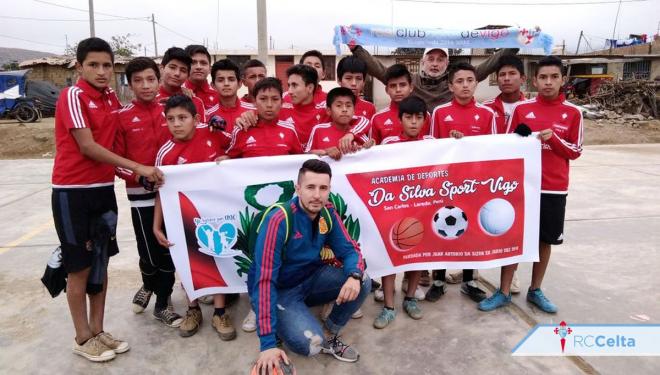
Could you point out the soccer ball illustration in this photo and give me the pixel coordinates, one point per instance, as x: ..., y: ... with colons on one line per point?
x: 450, y: 222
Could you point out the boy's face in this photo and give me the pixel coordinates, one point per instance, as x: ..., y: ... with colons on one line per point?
x: 298, y: 90
x: 226, y: 83
x: 252, y: 76
x: 313, y: 190
x: 144, y: 85
x: 353, y: 81
x: 509, y: 79
x: 398, y: 89
x: 200, y: 67
x: 412, y: 124
x: 96, y: 69
x: 315, y: 63
x: 181, y: 123
x: 463, y: 85
x: 548, y: 81
x: 341, y: 110
x: 268, y: 103
x: 174, y: 74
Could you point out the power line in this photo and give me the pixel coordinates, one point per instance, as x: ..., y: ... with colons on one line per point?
x: 31, y: 41
x: 81, y: 10
x: 176, y: 32
x: 468, y: 2
x: 70, y: 20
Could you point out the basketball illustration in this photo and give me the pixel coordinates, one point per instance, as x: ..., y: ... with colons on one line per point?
x: 407, y: 233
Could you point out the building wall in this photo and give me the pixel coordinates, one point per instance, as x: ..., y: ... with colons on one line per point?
x: 60, y: 76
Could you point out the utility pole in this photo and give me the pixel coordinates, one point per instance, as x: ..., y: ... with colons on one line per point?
x: 153, y: 25
x: 262, y: 31
x: 92, y: 32
x: 616, y: 19
x: 568, y: 71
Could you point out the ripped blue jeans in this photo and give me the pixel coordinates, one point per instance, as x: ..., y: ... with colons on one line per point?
x: 297, y: 327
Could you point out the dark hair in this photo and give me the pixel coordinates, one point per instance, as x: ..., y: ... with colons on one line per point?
x: 315, y: 166
x: 454, y: 68
x: 88, y: 45
x: 225, y: 64
x: 194, y: 49
x: 180, y: 101
x: 351, y: 64
x: 139, y: 64
x: 267, y: 83
x: 397, y: 71
x: 550, y: 61
x: 178, y: 54
x: 252, y: 63
x: 306, y: 72
x: 339, y: 92
x: 313, y: 53
x: 513, y: 61
x: 412, y: 105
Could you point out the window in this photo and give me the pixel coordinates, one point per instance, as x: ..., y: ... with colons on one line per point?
x: 637, y: 70
x: 411, y: 63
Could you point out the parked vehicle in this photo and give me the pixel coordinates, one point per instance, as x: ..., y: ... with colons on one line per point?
x: 13, y: 102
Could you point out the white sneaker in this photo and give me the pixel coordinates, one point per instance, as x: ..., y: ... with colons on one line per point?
x: 250, y: 322
x: 515, y: 284
x: 379, y: 296
x: 358, y: 314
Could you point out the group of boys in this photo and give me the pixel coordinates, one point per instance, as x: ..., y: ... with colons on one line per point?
x: 177, y: 117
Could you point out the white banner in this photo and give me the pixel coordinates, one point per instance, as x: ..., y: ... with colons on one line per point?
x: 444, y: 203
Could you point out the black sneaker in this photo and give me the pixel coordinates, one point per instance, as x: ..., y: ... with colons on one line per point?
x: 471, y: 289
x: 168, y: 317
x: 437, y: 290
x: 339, y: 350
x: 374, y: 285
x: 141, y: 300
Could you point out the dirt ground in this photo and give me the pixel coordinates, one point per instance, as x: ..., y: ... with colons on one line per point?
x: 36, y: 140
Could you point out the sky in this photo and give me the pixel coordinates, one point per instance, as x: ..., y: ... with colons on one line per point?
x: 300, y: 24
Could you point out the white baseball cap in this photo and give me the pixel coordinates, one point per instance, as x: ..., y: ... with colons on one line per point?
x: 445, y: 50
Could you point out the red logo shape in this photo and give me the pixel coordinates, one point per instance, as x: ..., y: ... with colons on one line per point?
x: 563, y: 330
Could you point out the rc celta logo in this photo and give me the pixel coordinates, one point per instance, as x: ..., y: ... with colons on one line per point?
x: 562, y: 330
x: 591, y: 340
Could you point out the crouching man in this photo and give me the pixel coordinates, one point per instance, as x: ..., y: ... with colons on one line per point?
x: 288, y: 276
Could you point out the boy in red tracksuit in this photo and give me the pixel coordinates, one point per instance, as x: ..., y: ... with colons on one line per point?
x: 270, y: 136
x: 463, y: 116
x: 141, y: 130
x: 197, y: 79
x: 412, y: 114
x: 313, y: 59
x: 352, y: 74
x: 510, y: 77
x: 190, y: 143
x: 303, y: 111
x: 560, y: 128
x: 398, y: 86
x: 83, y: 195
x: 324, y: 139
x: 252, y: 72
x: 226, y: 81
x: 174, y: 70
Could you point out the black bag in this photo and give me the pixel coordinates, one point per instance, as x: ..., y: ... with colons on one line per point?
x: 54, y: 278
